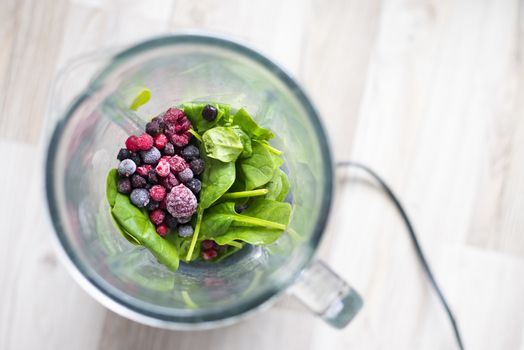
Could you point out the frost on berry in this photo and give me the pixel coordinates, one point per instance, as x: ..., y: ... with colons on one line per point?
x: 181, y: 202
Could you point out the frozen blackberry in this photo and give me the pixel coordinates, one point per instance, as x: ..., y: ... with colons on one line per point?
x: 124, y: 153
x: 138, y: 181
x: 124, y: 185
x: 184, y: 220
x: 153, y: 127
x: 190, y: 152
x: 136, y: 158
x: 170, y: 221
x: 152, y: 177
x: 185, y: 175
x: 197, y: 165
x: 185, y: 230
x: 139, y: 197
x: 194, y: 185
x: 169, y: 149
x: 181, y: 202
x: 209, y: 113
x: 152, y: 205
x: 150, y: 156
x: 126, y: 168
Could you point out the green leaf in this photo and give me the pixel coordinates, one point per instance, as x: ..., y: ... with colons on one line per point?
x: 246, y: 141
x: 111, y: 186
x: 216, y: 180
x: 222, y: 143
x: 217, y: 219
x: 141, y: 99
x: 138, y: 225
x: 251, y: 235
x: 193, y: 112
x: 123, y: 232
x: 266, y: 209
x: 278, y: 187
x: 250, y: 126
x: 258, y: 169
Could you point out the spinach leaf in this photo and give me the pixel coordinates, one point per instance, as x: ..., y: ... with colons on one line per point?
x: 111, y: 186
x: 138, y: 225
x: 123, y: 232
x: 217, y: 219
x: 246, y: 141
x: 258, y: 169
x: 252, y: 235
x: 265, y: 209
x: 250, y: 126
x: 193, y: 112
x: 222, y: 143
x: 216, y: 180
x: 278, y: 187
x: 141, y: 99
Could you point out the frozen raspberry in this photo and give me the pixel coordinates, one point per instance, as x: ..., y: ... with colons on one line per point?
x: 139, y: 197
x: 169, y: 149
x: 132, y: 143
x: 124, y: 153
x: 184, y: 220
x: 209, y: 113
x: 163, y: 168
x: 208, y: 244
x: 152, y: 177
x: 160, y: 141
x: 177, y: 164
x: 136, y: 158
x: 190, y: 152
x: 157, y: 216
x: 144, y: 170
x: 157, y: 193
x: 150, y: 156
x: 182, y: 126
x: 181, y: 202
x: 162, y: 229
x: 152, y: 205
x: 172, y: 117
x: 194, y: 185
x: 185, y: 230
x: 138, y: 181
x: 177, y: 126
x: 153, y: 127
x: 170, y: 221
x: 197, y: 165
x: 209, y: 254
x: 124, y: 185
x: 169, y: 181
x: 126, y: 167
x: 144, y: 142
x: 181, y: 140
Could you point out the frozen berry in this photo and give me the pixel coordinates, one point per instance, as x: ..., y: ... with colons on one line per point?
x: 145, y: 142
x: 124, y: 153
x: 124, y: 185
x: 162, y: 229
x: 170, y: 221
x: 152, y: 205
x: 160, y: 121
x: 239, y: 208
x: 185, y: 230
x: 169, y: 181
x: 181, y: 139
x: 209, y: 254
x: 132, y: 143
x: 153, y: 127
x: 163, y: 168
x: 126, y: 167
x: 181, y: 202
x: 152, y: 177
x: 169, y: 149
x: 177, y: 164
x: 194, y: 185
x: 190, y: 152
x: 163, y: 203
x: 138, y: 181
x: 172, y: 116
x: 160, y: 141
x: 157, y: 192
x: 185, y: 175
x: 209, y: 113
x: 208, y: 244
x: 184, y: 220
x: 150, y: 156
x: 197, y: 165
x: 136, y: 158
x: 139, y: 197
x: 148, y: 186
x: 157, y: 216
x: 144, y: 170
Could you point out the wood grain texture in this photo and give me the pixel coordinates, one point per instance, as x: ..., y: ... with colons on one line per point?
x: 428, y: 93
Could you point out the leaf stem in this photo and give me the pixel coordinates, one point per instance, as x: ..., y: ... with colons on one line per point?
x: 200, y: 213
x: 244, y: 194
x: 195, y: 134
x: 272, y: 149
x: 235, y: 244
x: 258, y: 222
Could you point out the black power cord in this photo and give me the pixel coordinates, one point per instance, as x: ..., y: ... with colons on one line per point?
x: 420, y: 255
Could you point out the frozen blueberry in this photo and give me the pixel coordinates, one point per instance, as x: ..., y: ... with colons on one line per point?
x: 209, y: 113
x: 184, y: 220
x: 197, y: 165
x: 185, y: 230
x: 139, y: 197
x: 138, y: 181
x: 124, y: 153
x: 185, y: 175
x: 153, y: 127
x: 190, y: 152
x: 126, y: 167
x: 124, y: 185
x: 152, y: 205
x: 170, y: 221
x: 169, y: 149
x: 135, y: 158
x: 151, y: 156
x: 194, y: 185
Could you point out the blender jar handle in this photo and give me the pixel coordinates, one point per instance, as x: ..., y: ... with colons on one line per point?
x: 327, y: 295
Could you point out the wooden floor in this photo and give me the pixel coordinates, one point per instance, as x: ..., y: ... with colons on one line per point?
x: 428, y: 93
